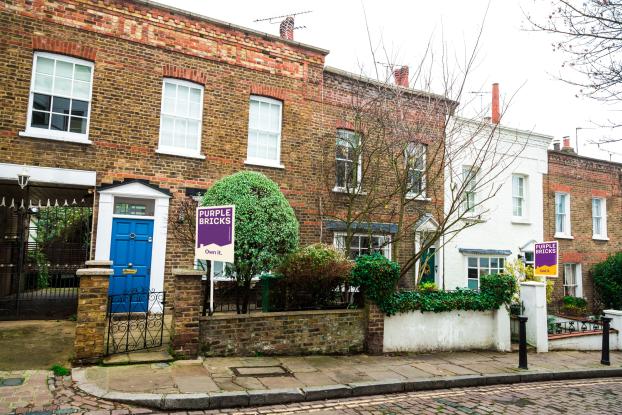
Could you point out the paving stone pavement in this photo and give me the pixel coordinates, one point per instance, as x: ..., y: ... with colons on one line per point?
x: 234, y: 373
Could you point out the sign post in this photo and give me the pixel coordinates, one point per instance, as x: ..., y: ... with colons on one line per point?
x: 546, y: 259
x: 215, y: 238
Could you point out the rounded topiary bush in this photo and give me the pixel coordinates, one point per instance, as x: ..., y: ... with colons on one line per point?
x: 266, y: 228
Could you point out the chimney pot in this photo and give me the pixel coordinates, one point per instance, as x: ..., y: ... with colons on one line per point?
x: 496, y: 113
x: 401, y: 76
x: 286, y: 29
x: 556, y: 145
x: 567, y: 147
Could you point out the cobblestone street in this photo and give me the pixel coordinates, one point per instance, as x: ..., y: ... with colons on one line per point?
x: 599, y: 396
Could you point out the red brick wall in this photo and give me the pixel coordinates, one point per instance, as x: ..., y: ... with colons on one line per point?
x: 134, y: 46
x: 583, y: 178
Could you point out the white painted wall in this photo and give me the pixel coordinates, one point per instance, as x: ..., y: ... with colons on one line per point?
x: 533, y: 296
x: 524, y: 153
x: 584, y: 342
x: 447, y: 331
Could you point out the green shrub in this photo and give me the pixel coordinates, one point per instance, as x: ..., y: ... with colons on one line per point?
x: 377, y: 278
x: 266, y: 228
x: 574, y: 306
x: 316, y: 271
x: 427, y: 287
x: 60, y: 370
x: 607, y: 277
x: 496, y: 291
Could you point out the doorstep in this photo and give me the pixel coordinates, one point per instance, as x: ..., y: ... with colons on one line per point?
x: 137, y: 358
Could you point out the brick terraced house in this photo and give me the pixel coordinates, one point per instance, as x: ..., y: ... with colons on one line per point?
x: 119, y: 110
x: 582, y: 211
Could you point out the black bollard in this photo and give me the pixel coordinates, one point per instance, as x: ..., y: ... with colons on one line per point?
x: 522, y: 342
x: 604, y: 360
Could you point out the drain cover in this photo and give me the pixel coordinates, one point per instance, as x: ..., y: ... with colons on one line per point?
x: 11, y: 381
x: 260, y: 371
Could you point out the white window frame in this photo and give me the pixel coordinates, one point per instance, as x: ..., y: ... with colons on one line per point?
x: 567, y: 232
x: 53, y: 134
x: 469, y: 188
x: 386, y: 249
x: 480, y: 267
x: 173, y: 150
x: 261, y: 161
x: 359, y: 170
x: 407, y: 158
x: 522, y: 198
x: 602, y: 235
x: 578, y: 282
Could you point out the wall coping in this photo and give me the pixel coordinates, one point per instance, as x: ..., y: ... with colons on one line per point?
x: 90, y: 272
x: 188, y: 272
x: 230, y: 316
x: 613, y: 312
x: 533, y: 283
x: 98, y: 263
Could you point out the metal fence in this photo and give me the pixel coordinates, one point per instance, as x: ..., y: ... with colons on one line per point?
x: 574, y: 326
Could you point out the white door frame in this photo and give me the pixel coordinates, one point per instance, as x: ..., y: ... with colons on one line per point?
x: 105, y: 214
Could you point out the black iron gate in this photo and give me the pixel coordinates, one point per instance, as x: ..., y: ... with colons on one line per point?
x: 135, y: 321
x: 45, y: 236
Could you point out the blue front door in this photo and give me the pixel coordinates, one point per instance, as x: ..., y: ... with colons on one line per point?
x: 130, y: 252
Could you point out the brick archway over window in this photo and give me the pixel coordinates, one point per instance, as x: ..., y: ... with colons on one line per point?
x: 63, y: 47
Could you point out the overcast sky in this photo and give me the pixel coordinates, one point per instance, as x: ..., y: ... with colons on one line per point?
x: 523, y: 62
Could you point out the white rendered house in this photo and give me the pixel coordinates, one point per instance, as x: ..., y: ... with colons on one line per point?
x: 501, y: 209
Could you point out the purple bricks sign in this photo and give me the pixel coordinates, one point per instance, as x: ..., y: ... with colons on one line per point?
x: 546, y: 254
x: 215, y: 235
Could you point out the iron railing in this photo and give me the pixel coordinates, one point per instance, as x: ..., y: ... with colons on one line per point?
x: 574, y: 326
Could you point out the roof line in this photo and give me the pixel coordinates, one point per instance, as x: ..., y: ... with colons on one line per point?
x: 247, y: 30
x: 368, y: 80
x: 575, y: 155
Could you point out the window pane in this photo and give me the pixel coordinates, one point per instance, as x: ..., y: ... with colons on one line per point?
x: 41, y: 102
x: 80, y: 108
x: 472, y: 273
x: 483, y: 263
x: 62, y: 86
x: 473, y: 284
x: 494, y: 262
x: 182, y: 101
x: 81, y: 89
x: 45, y: 66
x: 193, y: 135
x: 77, y: 125
x: 180, y: 133
x: 472, y: 262
x: 61, y: 105
x: 40, y: 119
x: 43, y: 83
x: 60, y: 122
x: 168, y: 128
x: 64, y: 69
x: 82, y: 73
x: 129, y: 206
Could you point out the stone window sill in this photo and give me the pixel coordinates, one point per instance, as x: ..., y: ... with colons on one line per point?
x: 46, y: 135
x: 562, y: 236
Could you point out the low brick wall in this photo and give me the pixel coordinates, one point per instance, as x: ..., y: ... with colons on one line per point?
x: 283, y: 333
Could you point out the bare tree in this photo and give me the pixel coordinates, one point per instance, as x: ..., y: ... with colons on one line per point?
x: 589, y: 33
x: 404, y: 157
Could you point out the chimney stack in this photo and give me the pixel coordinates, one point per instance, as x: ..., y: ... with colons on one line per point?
x: 567, y: 147
x: 401, y: 76
x: 286, y: 30
x: 556, y: 145
x: 496, y: 114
